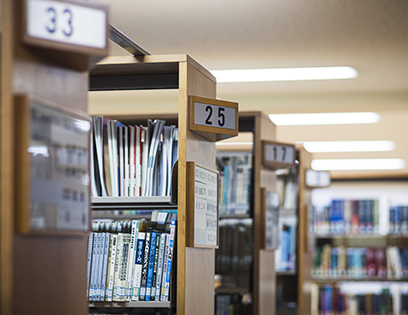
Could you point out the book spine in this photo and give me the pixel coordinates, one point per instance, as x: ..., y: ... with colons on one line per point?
x: 165, y: 261
x: 105, y: 266
x: 101, y: 248
x: 355, y: 217
x: 118, y: 268
x: 130, y: 263
x: 123, y: 274
x: 112, y: 266
x: 160, y: 265
x: 169, y: 259
x: 138, y: 265
x: 370, y: 216
x: 150, y: 265
x: 156, y: 263
x: 108, y: 270
x: 89, y: 262
x: 362, y: 216
x: 143, y: 280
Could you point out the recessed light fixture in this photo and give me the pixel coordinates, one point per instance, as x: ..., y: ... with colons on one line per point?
x: 324, y: 118
x: 357, y: 164
x: 285, y: 74
x: 348, y: 146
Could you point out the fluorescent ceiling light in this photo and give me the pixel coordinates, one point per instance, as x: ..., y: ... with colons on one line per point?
x: 348, y: 146
x: 357, y: 164
x: 285, y: 74
x: 324, y: 119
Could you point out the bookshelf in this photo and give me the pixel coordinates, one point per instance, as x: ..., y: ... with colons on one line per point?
x: 194, y: 266
x: 256, y: 285
x: 367, y: 263
x: 39, y: 265
x: 293, y: 285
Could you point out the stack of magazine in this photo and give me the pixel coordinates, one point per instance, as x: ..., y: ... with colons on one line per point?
x: 132, y: 161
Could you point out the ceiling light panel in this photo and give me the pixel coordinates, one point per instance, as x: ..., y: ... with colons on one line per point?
x: 285, y: 74
x: 324, y: 118
x: 348, y: 146
x: 357, y: 164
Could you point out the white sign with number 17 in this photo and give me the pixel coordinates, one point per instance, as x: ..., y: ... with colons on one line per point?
x: 67, y: 23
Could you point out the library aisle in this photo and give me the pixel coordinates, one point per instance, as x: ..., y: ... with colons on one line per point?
x: 145, y: 183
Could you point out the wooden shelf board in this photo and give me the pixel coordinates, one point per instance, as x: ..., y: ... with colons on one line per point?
x: 130, y: 203
x: 362, y: 279
x: 135, y: 304
x: 232, y: 290
x: 402, y: 236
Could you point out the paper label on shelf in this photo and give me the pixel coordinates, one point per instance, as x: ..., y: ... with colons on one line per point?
x: 279, y: 153
x: 205, y: 207
x: 59, y: 169
x: 67, y: 23
x: 214, y: 116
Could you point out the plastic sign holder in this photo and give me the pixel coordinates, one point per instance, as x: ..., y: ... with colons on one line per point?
x: 276, y: 155
x: 71, y: 33
x: 202, y: 195
x: 52, y: 168
x: 212, y: 118
x: 317, y: 179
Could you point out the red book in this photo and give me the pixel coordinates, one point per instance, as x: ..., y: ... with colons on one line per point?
x: 380, y: 262
x: 371, y: 265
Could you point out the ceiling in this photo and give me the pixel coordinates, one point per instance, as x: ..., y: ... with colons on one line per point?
x: 369, y: 35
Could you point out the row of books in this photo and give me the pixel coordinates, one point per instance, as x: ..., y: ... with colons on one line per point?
x: 236, y: 246
x: 351, y: 262
x: 235, y: 182
x: 132, y: 161
x: 131, y: 260
x: 222, y: 304
x: 327, y: 300
x: 347, y: 217
x: 398, y: 219
x: 285, y: 255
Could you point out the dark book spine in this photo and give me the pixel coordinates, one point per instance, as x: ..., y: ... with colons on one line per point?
x: 143, y: 281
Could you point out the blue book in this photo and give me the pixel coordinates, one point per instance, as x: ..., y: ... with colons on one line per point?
x: 329, y: 298
x: 150, y: 267
x: 285, y: 248
x: 340, y: 216
x: 169, y: 260
x: 332, y: 216
x: 397, y: 219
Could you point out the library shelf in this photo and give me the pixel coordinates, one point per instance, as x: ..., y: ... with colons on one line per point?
x: 129, y: 203
x: 354, y: 279
x: 134, y: 304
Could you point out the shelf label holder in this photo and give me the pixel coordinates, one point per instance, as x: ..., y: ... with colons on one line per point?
x: 276, y: 155
x: 212, y: 118
x: 73, y: 33
x: 317, y: 179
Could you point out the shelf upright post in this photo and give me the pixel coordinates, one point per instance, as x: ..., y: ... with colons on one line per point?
x: 36, y: 270
x: 304, y: 254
